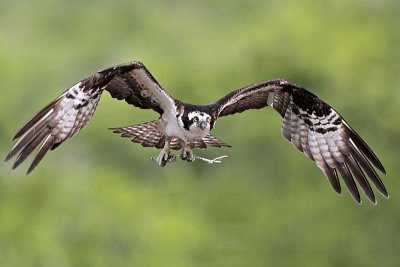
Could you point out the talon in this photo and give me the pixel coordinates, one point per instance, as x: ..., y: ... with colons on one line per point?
x: 163, y: 158
x: 171, y: 158
x: 183, y: 156
x: 163, y: 162
x: 187, y: 155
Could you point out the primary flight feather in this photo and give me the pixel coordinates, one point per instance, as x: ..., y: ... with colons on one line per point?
x: 310, y: 124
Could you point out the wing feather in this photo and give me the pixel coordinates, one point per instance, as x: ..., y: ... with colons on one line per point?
x: 366, y: 150
x: 331, y: 175
x: 359, y: 175
x: 304, y: 140
x: 70, y: 112
x: 314, y: 128
x: 295, y: 132
x: 349, y: 182
x: 37, y: 119
x: 369, y: 170
x: 287, y: 125
x: 30, y: 146
x: 44, y: 148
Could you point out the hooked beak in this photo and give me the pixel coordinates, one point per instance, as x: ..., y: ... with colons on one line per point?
x: 202, y: 124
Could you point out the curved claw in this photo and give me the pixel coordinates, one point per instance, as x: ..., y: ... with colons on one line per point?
x: 171, y: 158
x: 187, y: 156
x: 163, y: 158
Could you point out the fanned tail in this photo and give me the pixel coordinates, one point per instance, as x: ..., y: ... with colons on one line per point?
x: 149, y: 135
x: 214, y: 141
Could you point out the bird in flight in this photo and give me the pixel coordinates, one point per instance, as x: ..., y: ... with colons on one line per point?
x: 310, y: 124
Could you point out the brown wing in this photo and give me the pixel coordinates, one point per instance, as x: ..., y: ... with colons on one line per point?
x: 255, y: 96
x: 133, y: 83
x: 70, y: 112
x: 316, y: 129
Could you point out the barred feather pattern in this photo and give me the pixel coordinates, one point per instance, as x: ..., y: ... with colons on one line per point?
x: 150, y: 134
x: 315, y: 129
x: 55, y: 123
x: 332, y: 144
x: 147, y: 134
x: 70, y: 112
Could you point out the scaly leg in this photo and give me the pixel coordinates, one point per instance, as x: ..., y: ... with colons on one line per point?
x: 164, y: 157
x: 187, y: 154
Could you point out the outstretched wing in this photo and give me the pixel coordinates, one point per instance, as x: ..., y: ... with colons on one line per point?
x: 70, y: 112
x: 314, y: 128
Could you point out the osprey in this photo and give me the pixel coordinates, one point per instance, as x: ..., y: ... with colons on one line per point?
x: 310, y: 124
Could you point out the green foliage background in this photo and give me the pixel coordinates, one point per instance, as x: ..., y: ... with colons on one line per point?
x: 99, y: 201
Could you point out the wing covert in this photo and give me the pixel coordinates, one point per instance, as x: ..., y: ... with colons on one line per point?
x: 137, y: 86
x: 315, y: 129
x: 71, y: 111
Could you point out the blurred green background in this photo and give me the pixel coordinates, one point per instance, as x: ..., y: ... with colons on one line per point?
x: 98, y: 200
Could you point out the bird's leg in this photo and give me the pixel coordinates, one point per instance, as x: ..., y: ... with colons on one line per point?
x: 164, y: 157
x: 187, y: 154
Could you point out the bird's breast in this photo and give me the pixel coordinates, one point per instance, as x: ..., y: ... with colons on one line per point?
x: 175, y: 129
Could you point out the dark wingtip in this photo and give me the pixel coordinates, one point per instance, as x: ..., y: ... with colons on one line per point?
x: 385, y: 193
x: 8, y: 156
x: 339, y: 192
x: 16, y: 164
x: 382, y: 189
x: 372, y: 199
x: 30, y: 169
x: 333, y: 179
x: 357, y: 197
x: 19, y: 133
x: 380, y: 167
x: 366, y: 150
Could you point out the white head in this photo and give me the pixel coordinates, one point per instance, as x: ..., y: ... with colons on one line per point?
x: 199, y: 121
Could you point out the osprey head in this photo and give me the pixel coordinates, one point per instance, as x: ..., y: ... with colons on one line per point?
x: 198, y: 121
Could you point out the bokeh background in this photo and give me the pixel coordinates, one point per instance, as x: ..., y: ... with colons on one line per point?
x: 98, y: 200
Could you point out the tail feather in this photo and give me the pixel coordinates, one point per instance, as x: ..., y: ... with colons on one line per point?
x: 214, y: 141
x: 146, y: 134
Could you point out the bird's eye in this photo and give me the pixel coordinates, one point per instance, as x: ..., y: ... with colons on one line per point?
x: 195, y: 119
x: 208, y: 120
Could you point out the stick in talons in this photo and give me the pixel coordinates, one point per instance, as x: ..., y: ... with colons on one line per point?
x: 212, y: 161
